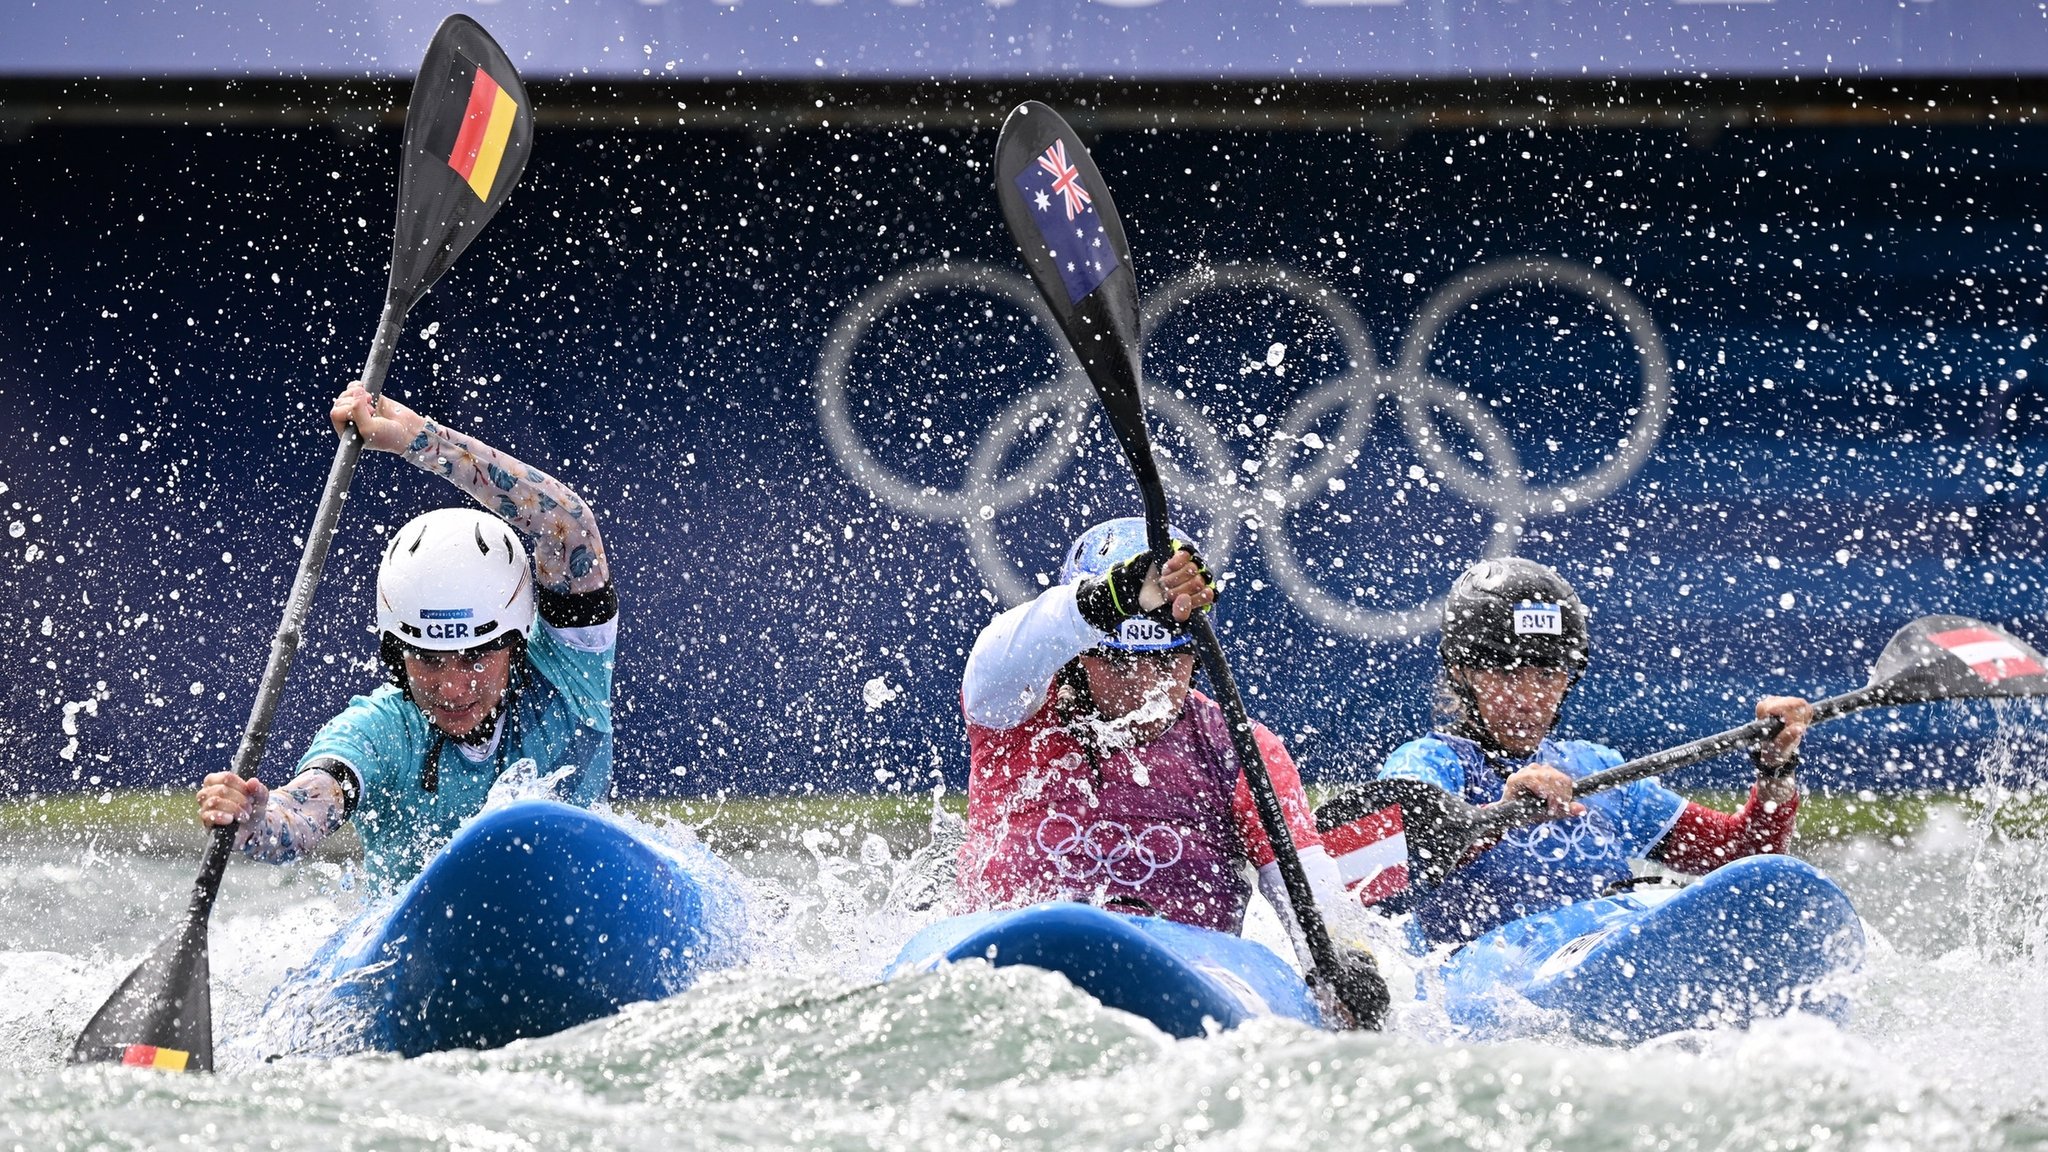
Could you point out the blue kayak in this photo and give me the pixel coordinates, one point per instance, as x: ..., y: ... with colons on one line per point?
x: 1187, y: 981
x: 536, y: 917
x: 1757, y: 938
x: 1760, y: 937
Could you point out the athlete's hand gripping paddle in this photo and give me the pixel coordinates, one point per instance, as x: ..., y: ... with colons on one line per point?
x: 1059, y: 211
x: 468, y: 130
x: 1932, y: 658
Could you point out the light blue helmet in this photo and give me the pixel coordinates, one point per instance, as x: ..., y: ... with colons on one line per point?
x: 1107, y: 545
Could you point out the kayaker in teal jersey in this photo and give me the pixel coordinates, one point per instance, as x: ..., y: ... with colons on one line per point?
x: 1514, y: 642
x: 491, y: 661
x: 1098, y: 774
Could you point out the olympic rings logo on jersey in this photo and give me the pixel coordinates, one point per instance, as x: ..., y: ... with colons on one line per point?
x: 1582, y: 838
x: 1109, y: 849
x: 1419, y: 396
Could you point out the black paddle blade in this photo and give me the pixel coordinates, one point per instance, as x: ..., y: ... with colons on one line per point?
x: 468, y: 130
x: 1437, y: 826
x: 162, y: 1015
x: 1060, y: 213
x: 1957, y: 658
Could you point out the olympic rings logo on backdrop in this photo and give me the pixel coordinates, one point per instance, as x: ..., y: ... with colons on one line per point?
x: 1417, y: 393
x: 1108, y: 848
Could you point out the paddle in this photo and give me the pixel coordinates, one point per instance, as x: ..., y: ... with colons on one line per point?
x: 1059, y: 211
x: 468, y: 130
x: 1932, y: 658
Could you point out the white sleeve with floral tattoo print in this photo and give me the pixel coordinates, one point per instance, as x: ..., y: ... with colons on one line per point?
x: 296, y: 817
x: 568, y: 554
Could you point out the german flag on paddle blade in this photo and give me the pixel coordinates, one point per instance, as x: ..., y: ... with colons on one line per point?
x: 468, y: 131
x: 474, y: 141
x: 146, y: 1056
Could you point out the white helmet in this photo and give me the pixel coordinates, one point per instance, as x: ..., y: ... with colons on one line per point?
x: 452, y: 579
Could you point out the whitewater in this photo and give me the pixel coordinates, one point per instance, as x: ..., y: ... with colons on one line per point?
x: 803, y: 1046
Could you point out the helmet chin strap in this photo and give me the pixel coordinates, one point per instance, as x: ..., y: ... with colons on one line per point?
x: 1075, y: 699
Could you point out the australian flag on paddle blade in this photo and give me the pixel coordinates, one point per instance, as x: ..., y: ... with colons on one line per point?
x: 1066, y: 216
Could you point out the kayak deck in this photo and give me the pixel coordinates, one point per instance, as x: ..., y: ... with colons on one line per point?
x: 536, y: 917
x: 1187, y: 981
x: 1759, y: 937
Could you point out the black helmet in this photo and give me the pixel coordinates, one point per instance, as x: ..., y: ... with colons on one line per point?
x: 1513, y: 613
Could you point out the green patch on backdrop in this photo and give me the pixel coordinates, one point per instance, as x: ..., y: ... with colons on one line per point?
x: 163, y: 821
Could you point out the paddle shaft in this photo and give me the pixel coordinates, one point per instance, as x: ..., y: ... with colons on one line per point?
x: 297, y: 606
x: 1098, y: 312
x: 1494, y: 819
x: 1116, y: 378
x: 1272, y: 817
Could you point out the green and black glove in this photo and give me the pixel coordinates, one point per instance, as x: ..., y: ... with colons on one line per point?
x: 1106, y: 601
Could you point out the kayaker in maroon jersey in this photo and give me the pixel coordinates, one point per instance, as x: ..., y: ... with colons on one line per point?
x: 1098, y: 774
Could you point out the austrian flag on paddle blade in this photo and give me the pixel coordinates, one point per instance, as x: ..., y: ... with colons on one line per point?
x: 1371, y: 854
x: 475, y: 143
x: 1064, y: 211
x: 1989, y: 655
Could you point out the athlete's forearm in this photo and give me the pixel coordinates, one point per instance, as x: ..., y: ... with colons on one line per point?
x: 568, y: 553
x: 1016, y: 656
x: 297, y: 816
x: 1704, y: 838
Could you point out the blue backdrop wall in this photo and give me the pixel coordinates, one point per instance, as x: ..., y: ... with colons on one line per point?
x: 1764, y: 396
x: 1149, y: 39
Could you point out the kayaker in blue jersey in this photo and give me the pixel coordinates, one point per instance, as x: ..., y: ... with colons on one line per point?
x: 1514, y: 642
x: 491, y: 661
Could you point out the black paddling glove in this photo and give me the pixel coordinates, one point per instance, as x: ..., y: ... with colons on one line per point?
x: 1106, y: 601
x: 1358, y: 986
x: 1765, y: 770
